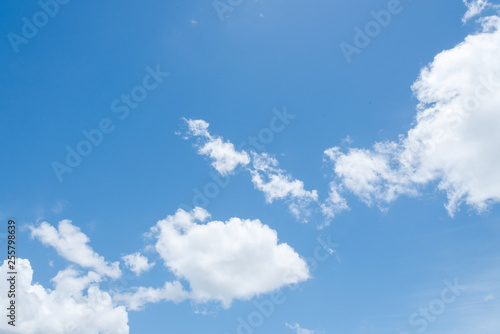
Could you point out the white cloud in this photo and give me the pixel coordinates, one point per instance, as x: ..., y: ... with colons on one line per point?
x: 370, y: 174
x: 275, y: 183
x: 489, y: 298
x: 58, y: 207
x: 75, y: 306
x: 198, y: 127
x: 299, y: 330
x: 137, y: 263
x: 455, y: 140
x: 225, y: 158
x: 137, y: 299
x: 72, y: 244
x: 223, y: 261
x: 333, y: 205
x: 474, y: 8
x: 267, y: 177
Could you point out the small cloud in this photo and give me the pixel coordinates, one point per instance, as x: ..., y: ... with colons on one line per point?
x: 193, y: 21
x: 137, y: 263
x: 150, y: 248
x: 347, y: 140
x: 332, y: 251
x: 299, y: 330
x: 489, y: 298
x: 59, y: 207
x: 225, y: 157
x: 474, y: 8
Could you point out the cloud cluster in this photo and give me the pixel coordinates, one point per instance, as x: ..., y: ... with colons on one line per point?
x: 72, y: 244
x: 76, y: 305
x: 455, y: 140
x: 454, y: 143
x: 267, y: 177
x: 223, y: 261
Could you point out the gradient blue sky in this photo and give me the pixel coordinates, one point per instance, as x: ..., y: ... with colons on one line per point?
x: 232, y: 73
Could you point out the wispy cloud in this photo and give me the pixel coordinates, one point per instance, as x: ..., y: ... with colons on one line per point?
x: 274, y: 182
x: 72, y: 244
x: 225, y: 158
x: 300, y: 330
x: 475, y: 8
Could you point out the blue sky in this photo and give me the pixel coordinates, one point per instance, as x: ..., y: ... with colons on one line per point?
x: 375, y: 194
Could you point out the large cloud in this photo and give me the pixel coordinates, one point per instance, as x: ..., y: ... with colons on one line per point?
x: 75, y: 306
x: 455, y: 140
x: 72, y: 244
x: 222, y: 261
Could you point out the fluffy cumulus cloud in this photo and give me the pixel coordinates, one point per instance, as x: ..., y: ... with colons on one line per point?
x: 370, y: 174
x: 72, y: 244
x: 220, y: 261
x: 139, y: 297
x: 137, y: 263
x: 275, y: 183
x: 76, y: 305
x: 455, y: 140
x: 225, y: 158
x: 223, y: 261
